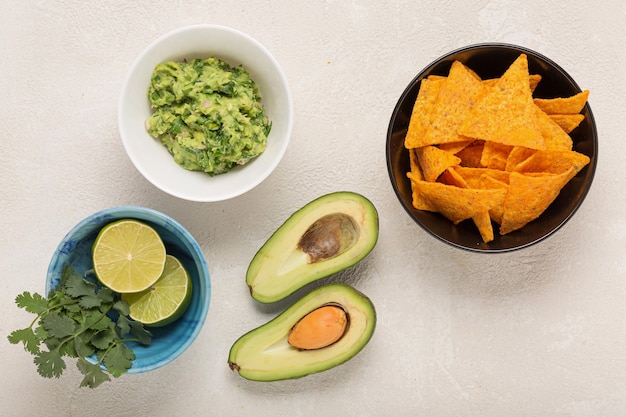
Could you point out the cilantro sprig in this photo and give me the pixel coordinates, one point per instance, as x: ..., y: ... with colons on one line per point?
x: 79, y: 319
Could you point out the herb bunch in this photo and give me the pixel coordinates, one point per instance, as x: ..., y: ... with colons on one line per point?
x: 79, y: 319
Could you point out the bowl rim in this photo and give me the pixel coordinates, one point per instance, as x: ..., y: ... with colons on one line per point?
x: 139, y: 212
x: 254, y: 180
x: 591, y: 167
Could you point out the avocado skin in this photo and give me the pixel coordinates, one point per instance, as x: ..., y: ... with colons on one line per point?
x: 263, y: 354
x: 280, y: 267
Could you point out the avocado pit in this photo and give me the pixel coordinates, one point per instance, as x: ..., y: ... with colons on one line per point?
x: 329, y: 236
x: 320, y: 328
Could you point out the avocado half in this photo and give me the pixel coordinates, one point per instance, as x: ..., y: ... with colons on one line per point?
x: 264, y: 353
x: 325, y: 236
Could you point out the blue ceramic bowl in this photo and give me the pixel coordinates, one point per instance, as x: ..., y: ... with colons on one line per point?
x: 170, y: 341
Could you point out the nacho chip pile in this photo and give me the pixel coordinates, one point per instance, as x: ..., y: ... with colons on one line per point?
x: 487, y: 150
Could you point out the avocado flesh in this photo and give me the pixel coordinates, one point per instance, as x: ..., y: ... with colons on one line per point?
x: 298, y: 254
x: 264, y: 354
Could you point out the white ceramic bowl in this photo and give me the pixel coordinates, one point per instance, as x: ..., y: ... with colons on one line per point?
x: 152, y: 159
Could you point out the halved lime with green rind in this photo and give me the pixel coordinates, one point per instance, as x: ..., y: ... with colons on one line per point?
x: 166, y: 300
x: 128, y: 256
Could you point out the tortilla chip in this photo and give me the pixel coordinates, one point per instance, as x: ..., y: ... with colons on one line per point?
x: 528, y: 197
x: 489, y: 183
x: 419, y: 202
x: 485, y: 228
x: 458, y: 204
x: 533, y: 81
x: 471, y: 154
x: 495, y: 155
x: 455, y: 147
x: 506, y: 114
x: 554, y: 137
x: 414, y: 164
x: 420, y: 115
x: 553, y: 162
x: 452, y: 177
x: 433, y: 161
x: 517, y: 155
x: 567, y: 122
x: 563, y: 105
x: 458, y: 93
x: 472, y: 176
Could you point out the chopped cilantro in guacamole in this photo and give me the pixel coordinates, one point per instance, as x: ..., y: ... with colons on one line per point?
x: 208, y: 114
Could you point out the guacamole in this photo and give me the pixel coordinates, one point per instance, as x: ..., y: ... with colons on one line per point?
x: 207, y: 114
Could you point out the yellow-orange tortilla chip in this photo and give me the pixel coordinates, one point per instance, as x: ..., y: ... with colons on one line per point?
x: 458, y: 204
x: 529, y: 196
x: 553, y: 135
x: 553, y: 162
x: 471, y: 154
x: 563, y: 105
x: 458, y: 93
x: 517, y: 155
x: 433, y: 161
x: 506, y: 113
x: 472, y: 176
x: 489, y: 183
x: 414, y: 164
x: 419, y: 202
x: 484, y: 225
x: 455, y: 147
x: 533, y: 81
x: 420, y: 115
x: 567, y: 122
x: 495, y: 155
x: 452, y: 177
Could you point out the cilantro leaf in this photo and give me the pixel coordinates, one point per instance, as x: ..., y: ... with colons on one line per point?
x: 75, y: 286
x: 27, y: 337
x: 50, y: 364
x: 106, y: 295
x: 67, y: 349
x: 94, y: 375
x: 41, y: 333
x: 122, y: 307
x: 123, y: 324
x: 33, y: 303
x: 72, y: 307
x: 82, y: 346
x: 103, y: 339
x: 90, y: 301
x: 118, y: 359
x: 143, y: 335
x: 102, y: 322
x: 68, y: 273
x: 58, y: 326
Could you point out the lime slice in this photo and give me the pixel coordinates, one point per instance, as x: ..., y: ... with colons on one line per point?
x: 166, y: 300
x: 128, y: 256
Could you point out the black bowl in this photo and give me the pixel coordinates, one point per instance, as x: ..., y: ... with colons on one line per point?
x: 490, y: 60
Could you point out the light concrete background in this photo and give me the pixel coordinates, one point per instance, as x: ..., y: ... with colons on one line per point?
x: 540, y: 332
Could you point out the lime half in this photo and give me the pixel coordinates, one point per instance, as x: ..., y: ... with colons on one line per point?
x: 166, y: 300
x: 128, y: 256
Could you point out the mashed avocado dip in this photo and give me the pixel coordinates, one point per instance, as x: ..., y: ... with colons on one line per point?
x: 208, y: 114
